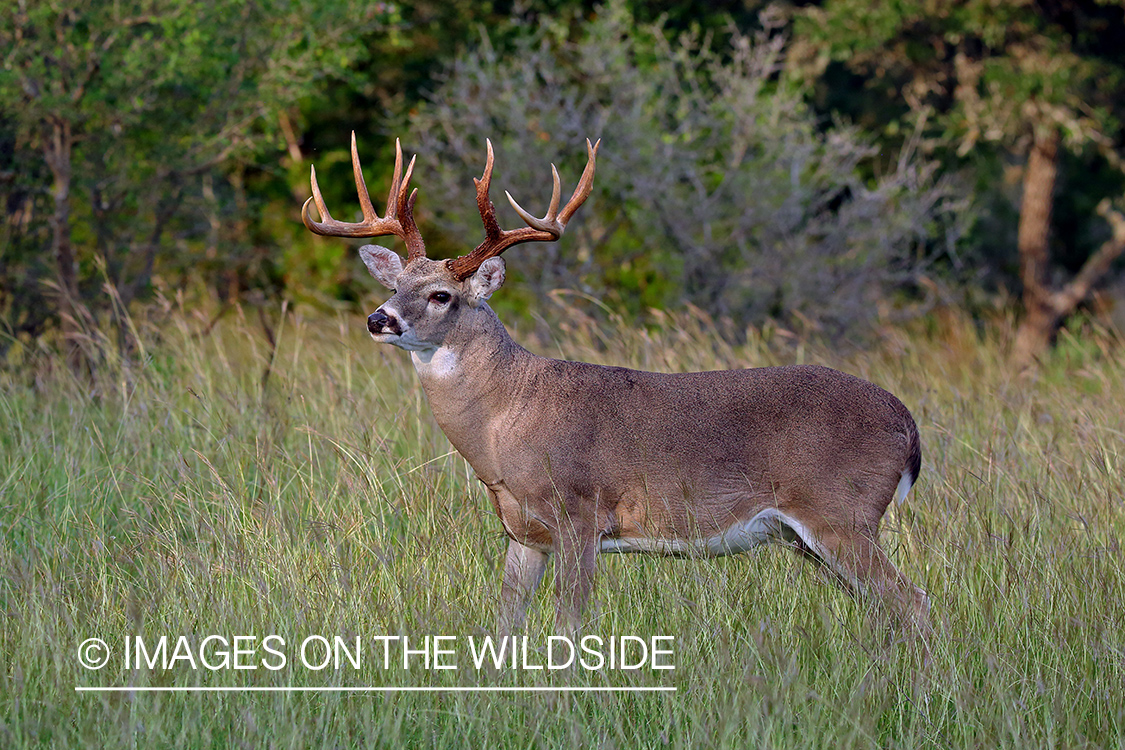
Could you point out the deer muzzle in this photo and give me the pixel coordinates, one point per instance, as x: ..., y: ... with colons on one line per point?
x: 380, y: 322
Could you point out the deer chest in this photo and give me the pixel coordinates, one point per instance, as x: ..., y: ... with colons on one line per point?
x: 522, y: 521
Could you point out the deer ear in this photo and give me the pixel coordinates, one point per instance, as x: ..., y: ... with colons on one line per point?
x: 384, y: 264
x: 486, y: 280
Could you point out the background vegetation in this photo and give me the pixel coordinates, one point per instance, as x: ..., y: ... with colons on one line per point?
x: 198, y: 436
x: 831, y: 166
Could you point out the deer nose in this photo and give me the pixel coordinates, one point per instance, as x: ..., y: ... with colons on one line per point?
x: 376, y: 321
x: 381, y: 322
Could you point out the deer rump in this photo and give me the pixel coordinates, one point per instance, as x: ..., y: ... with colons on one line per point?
x: 706, y: 463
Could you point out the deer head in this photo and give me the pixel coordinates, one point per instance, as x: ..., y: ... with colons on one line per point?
x: 432, y: 299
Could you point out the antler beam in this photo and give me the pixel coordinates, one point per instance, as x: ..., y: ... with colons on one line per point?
x: 547, y: 229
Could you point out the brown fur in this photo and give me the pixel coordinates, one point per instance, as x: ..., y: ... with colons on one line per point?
x: 575, y: 454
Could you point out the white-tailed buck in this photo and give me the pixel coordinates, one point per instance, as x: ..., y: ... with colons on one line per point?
x: 580, y: 459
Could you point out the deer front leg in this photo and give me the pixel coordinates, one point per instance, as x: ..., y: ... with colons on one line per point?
x: 575, y: 561
x: 523, y: 569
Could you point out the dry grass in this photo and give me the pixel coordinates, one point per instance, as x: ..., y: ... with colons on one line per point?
x: 177, y: 497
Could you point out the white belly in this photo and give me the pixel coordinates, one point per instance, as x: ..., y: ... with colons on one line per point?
x: 738, y: 537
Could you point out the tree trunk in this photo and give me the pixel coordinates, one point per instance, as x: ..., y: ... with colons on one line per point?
x: 58, y: 144
x: 1041, y: 318
x: 1045, y: 308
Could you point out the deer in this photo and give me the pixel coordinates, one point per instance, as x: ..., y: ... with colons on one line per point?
x: 580, y: 459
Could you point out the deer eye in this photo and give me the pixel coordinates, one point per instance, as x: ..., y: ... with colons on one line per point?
x: 440, y: 298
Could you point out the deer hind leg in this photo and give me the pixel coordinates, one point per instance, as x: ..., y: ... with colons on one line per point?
x: 523, y: 569
x: 862, y: 568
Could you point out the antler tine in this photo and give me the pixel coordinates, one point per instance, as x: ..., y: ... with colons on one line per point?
x: 319, y: 199
x: 396, y: 177
x: 585, y: 184
x: 399, y: 220
x: 556, y: 188
x: 547, y: 223
x: 484, y: 203
x: 547, y: 229
x: 553, y: 221
x: 369, y: 214
x: 400, y: 193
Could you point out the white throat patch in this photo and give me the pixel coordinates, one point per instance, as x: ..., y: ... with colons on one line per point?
x: 436, y: 363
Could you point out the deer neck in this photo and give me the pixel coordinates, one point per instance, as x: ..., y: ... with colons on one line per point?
x: 470, y: 380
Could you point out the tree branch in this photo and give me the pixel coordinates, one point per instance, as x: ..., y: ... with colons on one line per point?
x: 1096, y: 266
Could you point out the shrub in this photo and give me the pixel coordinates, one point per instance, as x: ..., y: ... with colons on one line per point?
x: 715, y: 186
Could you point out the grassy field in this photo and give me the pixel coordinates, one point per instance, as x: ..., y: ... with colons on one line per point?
x: 176, y: 496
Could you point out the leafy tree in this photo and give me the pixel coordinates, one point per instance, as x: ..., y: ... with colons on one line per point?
x: 1031, y: 78
x: 120, y: 115
x: 715, y: 186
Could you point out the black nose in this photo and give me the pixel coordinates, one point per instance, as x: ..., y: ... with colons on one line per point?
x: 376, y: 321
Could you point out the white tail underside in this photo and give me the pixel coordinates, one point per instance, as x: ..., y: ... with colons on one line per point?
x: 903, y: 488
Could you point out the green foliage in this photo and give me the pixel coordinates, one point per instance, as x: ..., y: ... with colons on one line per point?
x: 715, y: 185
x: 986, y: 71
x: 977, y: 82
x: 191, y: 127
x: 138, y: 108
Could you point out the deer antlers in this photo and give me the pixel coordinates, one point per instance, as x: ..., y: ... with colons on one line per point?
x: 400, y: 213
x: 547, y: 229
x: 373, y: 225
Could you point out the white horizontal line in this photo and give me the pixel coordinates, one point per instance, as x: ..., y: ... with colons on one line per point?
x: 370, y: 689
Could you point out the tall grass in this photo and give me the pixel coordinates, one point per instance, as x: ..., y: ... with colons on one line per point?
x: 176, y: 495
